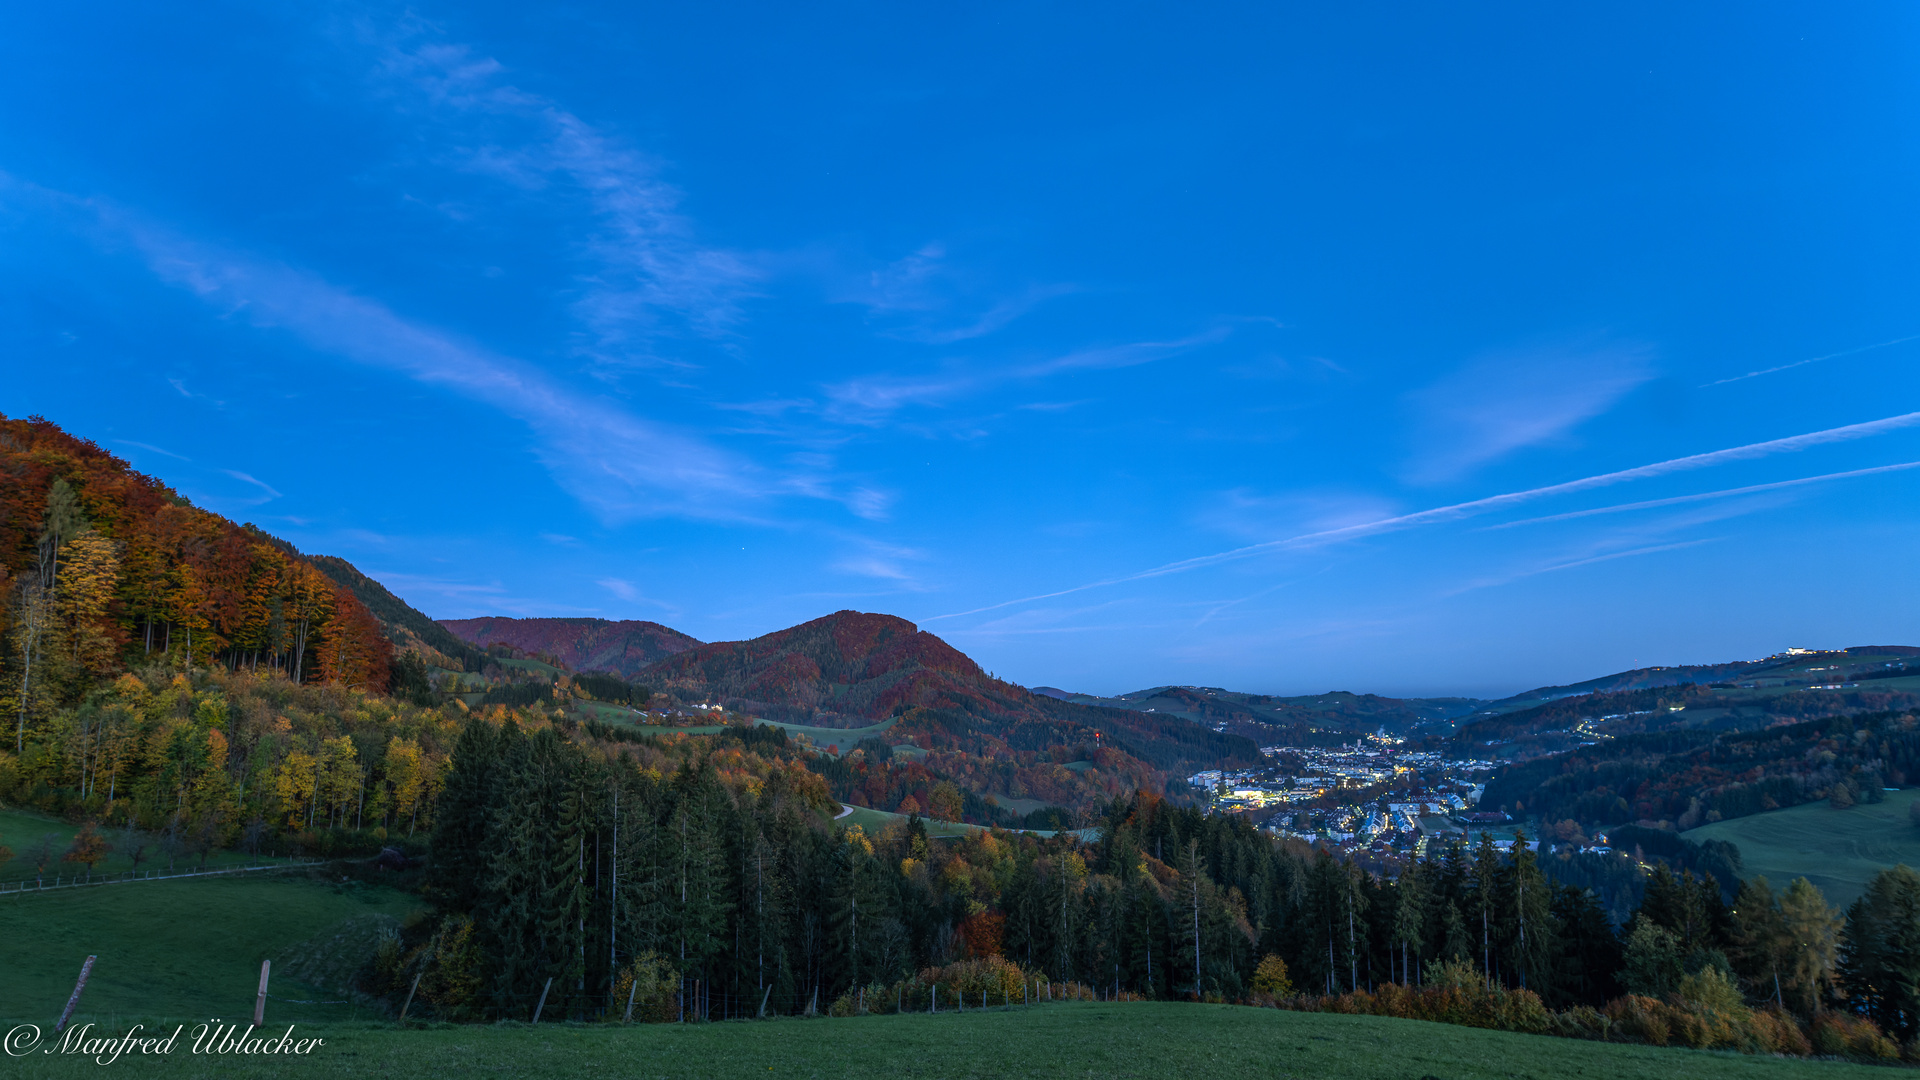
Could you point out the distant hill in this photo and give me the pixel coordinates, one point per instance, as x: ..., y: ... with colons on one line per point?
x: 852, y: 668
x: 1742, y: 696
x: 1315, y: 720
x: 405, y: 627
x: 623, y: 647
x: 1797, y: 664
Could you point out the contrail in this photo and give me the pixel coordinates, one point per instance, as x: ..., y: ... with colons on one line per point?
x: 1456, y: 511
x: 1810, y: 360
x: 1705, y: 495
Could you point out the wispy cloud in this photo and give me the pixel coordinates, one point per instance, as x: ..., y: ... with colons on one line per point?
x: 261, y: 484
x: 924, y: 297
x: 154, y: 449
x: 1724, y: 493
x: 1461, y: 510
x: 1811, y: 360
x: 1535, y: 571
x: 619, y: 587
x: 619, y: 465
x: 876, y: 559
x: 647, y: 271
x: 1131, y: 354
x: 873, y: 399
x: 1506, y: 401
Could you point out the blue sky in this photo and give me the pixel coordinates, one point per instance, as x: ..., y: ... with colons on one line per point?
x: 1282, y: 348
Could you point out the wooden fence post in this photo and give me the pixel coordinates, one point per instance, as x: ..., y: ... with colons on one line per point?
x: 260, y: 1003
x: 67, y: 1014
x: 408, y: 1004
x: 538, y: 1009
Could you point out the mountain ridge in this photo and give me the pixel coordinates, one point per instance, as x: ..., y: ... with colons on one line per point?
x: 851, y: 668
x: 622, y: 647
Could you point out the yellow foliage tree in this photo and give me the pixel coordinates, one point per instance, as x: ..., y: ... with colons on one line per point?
x: 1271, y: 978
x: 293, y: 785
x: 89, y: 570
x: 340, y: 777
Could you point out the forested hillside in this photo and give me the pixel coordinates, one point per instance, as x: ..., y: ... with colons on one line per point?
x: 171, y: 672
x: 104, y: 567
x: 1317, y: 720
x: 1796, y: 665
x: 1680, y: 779
x: 406, y: 628
x: 851, y: 668
x: 622, y: 648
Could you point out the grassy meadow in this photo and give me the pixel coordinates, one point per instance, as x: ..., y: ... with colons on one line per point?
x: 189, y: 947
x: 1193, y: 1042
x: 1838, y: 850
x: 20, y: 830
x: 189, y: 950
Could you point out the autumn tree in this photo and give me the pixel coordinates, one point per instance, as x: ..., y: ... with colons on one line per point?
x: 88, y: 847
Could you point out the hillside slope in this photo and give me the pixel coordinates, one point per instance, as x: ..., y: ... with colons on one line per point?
x: 1862, y: 679
x: 851, y: 668
x: 1314, y: 720
x: 622, y: 648
x: 1779, y: 669
x: 403, y: 625
x: 105, y: 567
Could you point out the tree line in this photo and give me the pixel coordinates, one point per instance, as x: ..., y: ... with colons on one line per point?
x: 557, y: 867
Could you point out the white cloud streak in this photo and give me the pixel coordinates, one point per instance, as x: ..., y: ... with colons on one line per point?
x: 1725, y: 493
x: 617, y: 464
x: 1811, y: 360
x: 1507, y: 579
x: 1507, y: 401
x: 1458, y: 511
x: 648, y: 269
x: 261, y: 484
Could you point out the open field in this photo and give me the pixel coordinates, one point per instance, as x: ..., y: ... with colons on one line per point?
x: 1194, y: 1042
x: 185, y: 948
x: 873, y: 821
x: 1838, y: 850
x: 843, y: 738
x: 185, y: 952
x: 20, y: 830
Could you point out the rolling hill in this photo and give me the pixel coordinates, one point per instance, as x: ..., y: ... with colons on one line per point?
x: 1311, y: 720
x: 622, y: 648
x: 1783, y: 689
x: 851, y: 668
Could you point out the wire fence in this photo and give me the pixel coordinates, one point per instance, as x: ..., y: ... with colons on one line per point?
x: 81, y: 881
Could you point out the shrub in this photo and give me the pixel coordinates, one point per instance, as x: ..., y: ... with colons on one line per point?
x: 1271, y: 976
x: 1641, y: 1019
x: 650, y: 982
x: 1842, y: 1035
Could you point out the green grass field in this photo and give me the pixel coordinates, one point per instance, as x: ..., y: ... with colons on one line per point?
x: 189, y: 951
x: 187, y: 947
x: 20, y: 830
x: 1193, y: 1042
x: 1838, y: 850
x: 843, y: 738
x: 872, y: 821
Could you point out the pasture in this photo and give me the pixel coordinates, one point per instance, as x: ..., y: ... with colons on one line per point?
x: 184, y: 952
x: 1838, y: 850
x: 1085, y: 1039
x: 190, y: 947
x: 22, y: 830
